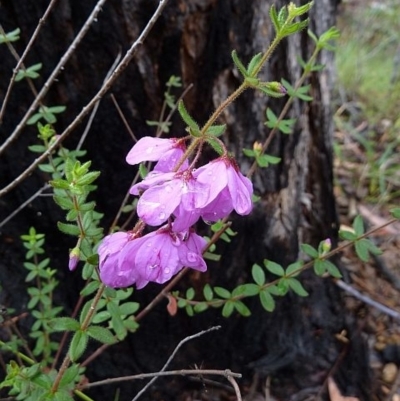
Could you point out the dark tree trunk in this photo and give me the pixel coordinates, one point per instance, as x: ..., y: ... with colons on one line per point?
x: 296, y: 344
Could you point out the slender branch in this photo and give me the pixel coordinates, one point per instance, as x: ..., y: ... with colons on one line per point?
x: 163, y: 369
x: 24, y: 54
x: 182, y: 372
x: 94, y: 111
x: 103, y: 90
x: 71, y: 49
x: 369, y: 301
x: 232, y: 380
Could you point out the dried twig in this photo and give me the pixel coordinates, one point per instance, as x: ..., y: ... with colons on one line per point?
x: 391, y: 312
x: 24, y: 54
x: 185, y: 340
x: 103, y: 90
x: 71, y: 49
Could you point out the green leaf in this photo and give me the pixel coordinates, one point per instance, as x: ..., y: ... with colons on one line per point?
x: 90, y: 288
x: 249, y: 152
x: 248, y: 290
x: 101, y: 334
x: 128, y: 308
x: 297, y: 287
x: 228, y: 309
x: 64, y: 202
x: 88, y: 178
x: 320, y: 267
x: 395, y: 212
x: 208, y: 292
x: 37, y: 148
x: 239, y: 64
x: 188, y: 119
x: 60, y: 184
x: 332, y: 269
x: 64, y: 324
x: 190, y: 294
x: 10, y: 36
x: 200, y: 307
x: 358, y: 226
x: 274, y: 18
x: 116, y: 321
x: 253, y: 64
x: 265, y: 160
x: 222, y: 292
x: 267, y: 301
x: 34, y: 119
x: 258, y: 274
x: 216, y: 145
x: 70, y: 375
x: 216, y: 130
x: 274, y: 268
x: 347, y: 235
x: 294, y: 269
x: 69, y: 229
x: 362, y: 250
x: 242, y: 308
x: 78, y: 345
x: 101, y: 317
x: 309, y: 250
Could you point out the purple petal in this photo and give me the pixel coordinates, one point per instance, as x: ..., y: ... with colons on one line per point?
x: 157, y: 203
x: 149, y: 149
x: 170, y: 159
x: 219, y: 208
x: 190, y: 252
x: 240, y: 189
x: 153, y: 178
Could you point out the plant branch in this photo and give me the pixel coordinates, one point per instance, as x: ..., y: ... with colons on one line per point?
x: 22, y: 58
x: 103, y: 90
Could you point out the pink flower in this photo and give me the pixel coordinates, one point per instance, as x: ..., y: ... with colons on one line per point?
x: 229, y: 189
x: 155, y: 257
x: 167, y: 152
x: 162, y: 198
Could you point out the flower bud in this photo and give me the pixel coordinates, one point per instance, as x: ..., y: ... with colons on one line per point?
x: 326, y: 246
x: 73, y: 258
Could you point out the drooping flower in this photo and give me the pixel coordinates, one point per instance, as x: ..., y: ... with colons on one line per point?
x: 155, y: 257
x: 167, y: 152
x: 229, y: 189
x: 112, y: 273
x: 161, y: 199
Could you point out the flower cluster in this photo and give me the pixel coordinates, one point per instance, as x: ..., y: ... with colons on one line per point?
x: 179, y: 198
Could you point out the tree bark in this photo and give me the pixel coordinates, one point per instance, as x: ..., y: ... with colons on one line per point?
x: 296, y: 343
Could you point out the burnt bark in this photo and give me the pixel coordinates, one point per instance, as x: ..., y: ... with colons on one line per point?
x: 296, y: 343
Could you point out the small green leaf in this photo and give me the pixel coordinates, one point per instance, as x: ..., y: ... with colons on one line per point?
x: 88, y: 178
x: 69, y: 229
x: 187, y: 118
x: 239, y: 64
x: 319, y: 267
x: 78, y: 345
x: 228, y: 309
x: 332, y: 269
x: 297, y: 287
x: 101, y: 334
x: 128, y: 308
x: 358, y: 226
x: 190, y: 294
x: 216, y: 145
x: 395, y: 212
x: 347, y: 235
x: 294, y: 269
x: 216, y: 130
x: 309, y: 250
x: 90, y: 288
x: 253, y: 64
x: 242, y: 308
x: 70, y: 375
x: 258, y: 274
x: 64, y: 324
x: 274, y: 18
x: 208, y: 292
x: 274, y: 268
x: 222, y: 292
x: 200, y: 307
x: 362, y: 250
x: 267, y: 301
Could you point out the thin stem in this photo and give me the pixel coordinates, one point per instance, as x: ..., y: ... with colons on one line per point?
x: 284, y: 112
x: 85, y: 324
x: 71, y: 49
x: 182, y: 372
x: 103, y: 90
x: 22, y: 58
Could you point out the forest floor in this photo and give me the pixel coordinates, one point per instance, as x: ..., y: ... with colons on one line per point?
x: 367, y: 172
